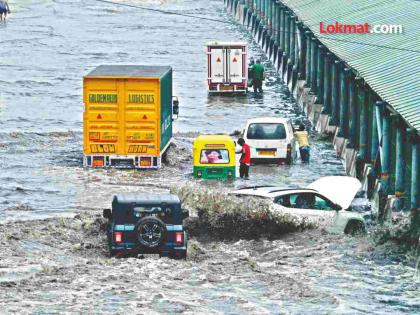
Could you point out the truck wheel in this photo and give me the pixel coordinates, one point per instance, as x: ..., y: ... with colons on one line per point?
x: 151, y: 232
x: 354, y: 228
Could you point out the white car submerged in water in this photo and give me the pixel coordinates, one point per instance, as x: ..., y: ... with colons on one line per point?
x: 325, y: 203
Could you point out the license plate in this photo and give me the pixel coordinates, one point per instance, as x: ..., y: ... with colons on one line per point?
x: 226, y: 88
x: 265, y: 152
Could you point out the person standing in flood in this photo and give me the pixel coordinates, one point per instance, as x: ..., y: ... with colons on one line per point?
x: 258, y: 76
x: 245, y: 160
x: 302, y: 138
x: 4, y: 9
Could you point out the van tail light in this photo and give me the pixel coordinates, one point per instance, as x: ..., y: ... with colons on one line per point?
x: 179, y: 237
x: 289, y: 148
x: 118, y: 237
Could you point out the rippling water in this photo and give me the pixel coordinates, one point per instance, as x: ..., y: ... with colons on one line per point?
x: 45, y: 49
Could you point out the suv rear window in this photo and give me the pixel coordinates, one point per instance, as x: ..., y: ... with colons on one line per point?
x: 163, y: 213
x: 268, y: 131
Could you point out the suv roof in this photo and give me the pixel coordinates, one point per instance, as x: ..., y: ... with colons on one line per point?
x: 147, y: 198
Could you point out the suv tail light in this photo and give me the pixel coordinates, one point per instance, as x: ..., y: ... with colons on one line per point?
x: 179, y: 237
x: 118, y: 237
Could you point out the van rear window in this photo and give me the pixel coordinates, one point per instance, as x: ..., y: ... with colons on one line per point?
x: 266, y: 131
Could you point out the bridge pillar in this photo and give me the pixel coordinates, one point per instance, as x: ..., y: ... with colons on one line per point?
x: 292, y: 29
x: 308, y: 35
x: 327, y: 83
x: 400, y: 163
x: 353, y: 113
x: 362, y: 102
x: 287, y: 32
x: 320, y: 74
x: 314, y: 65
x: 302, y: 54
x: 415, y: 182
x: 385, y: 155
x: 335, y: 80
x: 374, y: 142
x: 344, y: 99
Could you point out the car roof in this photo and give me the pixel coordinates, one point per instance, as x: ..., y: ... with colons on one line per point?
x: 268, y: 120
x: 269, y: 191
x: 146, y: 198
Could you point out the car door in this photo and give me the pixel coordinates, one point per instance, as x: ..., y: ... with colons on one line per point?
x: 311, y: 206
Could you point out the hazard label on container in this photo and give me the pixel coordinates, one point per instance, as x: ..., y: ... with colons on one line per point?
x: 218, y: 60
x: 144, y: 117
x: 99, y: 116
x: 234, y: 60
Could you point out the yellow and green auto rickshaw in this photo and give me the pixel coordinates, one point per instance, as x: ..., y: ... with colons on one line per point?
x: 214, y: 157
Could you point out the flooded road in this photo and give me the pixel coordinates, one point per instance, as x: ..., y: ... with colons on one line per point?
x: 46, y: 48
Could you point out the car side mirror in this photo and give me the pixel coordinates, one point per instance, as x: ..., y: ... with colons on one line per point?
x: 107, y: 214
x: 185, y: 214
x: 175, y: 108
x: 337, y: 207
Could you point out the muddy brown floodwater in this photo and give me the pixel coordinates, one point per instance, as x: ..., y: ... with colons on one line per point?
x: 53, y: 256
x: 60, y: 265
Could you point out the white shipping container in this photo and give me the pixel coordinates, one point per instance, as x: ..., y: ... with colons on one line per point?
x: 227, y: 68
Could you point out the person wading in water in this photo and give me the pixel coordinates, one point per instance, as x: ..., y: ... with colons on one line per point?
x: 302, y: 138
x: 4, y: 10
x: 258, y: 76
x: 245, y: 160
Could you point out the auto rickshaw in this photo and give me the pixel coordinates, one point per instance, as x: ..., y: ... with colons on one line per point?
x: 214, y: 157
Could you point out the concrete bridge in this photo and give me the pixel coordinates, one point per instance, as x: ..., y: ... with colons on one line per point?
x: 363, y: 89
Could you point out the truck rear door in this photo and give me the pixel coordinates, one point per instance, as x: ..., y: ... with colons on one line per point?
x: 141, y: 116
x: 217, y: 64
x: 235, y: 57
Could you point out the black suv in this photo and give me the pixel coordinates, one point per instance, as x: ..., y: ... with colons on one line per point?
x: 145, y: 223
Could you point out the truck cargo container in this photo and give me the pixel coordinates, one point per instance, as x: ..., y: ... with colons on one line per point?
x: 128, y: 114
x: 227, y: 68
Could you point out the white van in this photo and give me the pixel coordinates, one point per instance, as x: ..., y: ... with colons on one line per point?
x: 271, y: 140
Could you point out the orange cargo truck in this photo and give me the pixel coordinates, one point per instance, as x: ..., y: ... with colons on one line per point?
x: 128, y: 114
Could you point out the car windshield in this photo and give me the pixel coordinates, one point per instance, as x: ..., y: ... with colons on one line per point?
x: 267, y: 131
x: 214, y: 156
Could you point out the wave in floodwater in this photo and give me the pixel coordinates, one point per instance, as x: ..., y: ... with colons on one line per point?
x: 301, y: 273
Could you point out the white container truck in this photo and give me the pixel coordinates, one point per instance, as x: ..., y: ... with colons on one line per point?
x: 227, y: 67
